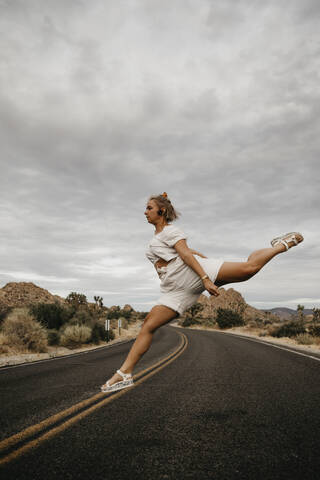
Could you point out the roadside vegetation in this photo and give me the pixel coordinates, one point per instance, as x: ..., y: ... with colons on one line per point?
x: 38, y: 326
x: 304, y: 330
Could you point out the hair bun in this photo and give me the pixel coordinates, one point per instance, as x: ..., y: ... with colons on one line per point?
x: 165, y: 195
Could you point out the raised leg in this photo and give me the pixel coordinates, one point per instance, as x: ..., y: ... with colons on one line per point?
x: 231, y: 272
x: 158, y: 316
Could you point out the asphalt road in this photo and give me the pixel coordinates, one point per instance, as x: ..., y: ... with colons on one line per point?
x: 224, y: 408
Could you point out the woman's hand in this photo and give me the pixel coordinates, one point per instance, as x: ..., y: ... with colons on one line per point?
x: 211, y: 287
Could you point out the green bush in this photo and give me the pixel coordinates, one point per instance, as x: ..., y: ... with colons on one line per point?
x: 314, y: 330
x: 228, y: 318
x: 23, y: 332
x: 74, y: 335
x: 288, y: 329
x: 82, y: 317
x: 112, y: 335
x: 188, y: 321
x: 209, y: 322
x: 53, y: 337
x: 100, y: 333
x: 118, y: 312
x: 51, y: 315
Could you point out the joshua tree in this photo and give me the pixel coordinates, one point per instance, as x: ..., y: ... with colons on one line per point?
x: 300, y: 309
x: 99, y: 301
x: 316, y: 315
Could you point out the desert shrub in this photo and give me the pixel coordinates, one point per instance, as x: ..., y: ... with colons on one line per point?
x: 74, y: 335
x: 267, y: 321
x: 51, y: 315
x: 228, y: 318
x: 209, y: 322
x: 194, y: 310
x: 53, y: 336
x: 112, y: 335
x: 259, y: 321
x: 82, y: 317
x: 288, y: 329
x: 262, y: 334
x: 4, y: 341
x: 113, y: 323
x: 77, y: 300
x: 252, y: 324
x: 316, y: 340
x: 304, y: 339
x: 314, y: 330
x: 188, y: 321
x: 124, y: 323
x: 97, y: 333
x: 4, y: 311
x: 24, y: 332
x: 117, y: 312
x: 100, y: 333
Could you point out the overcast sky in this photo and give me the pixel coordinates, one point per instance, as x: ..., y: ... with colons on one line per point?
x: 106, y: 102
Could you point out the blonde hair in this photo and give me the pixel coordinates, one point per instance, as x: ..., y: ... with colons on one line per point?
x: 163, y: 202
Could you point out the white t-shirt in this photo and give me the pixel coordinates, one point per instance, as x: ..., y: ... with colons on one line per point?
x: 162, y: 244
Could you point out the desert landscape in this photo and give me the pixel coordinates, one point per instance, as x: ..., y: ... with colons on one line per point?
x: 36, y: 325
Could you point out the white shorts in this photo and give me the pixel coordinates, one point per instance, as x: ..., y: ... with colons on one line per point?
x: 181, y: 286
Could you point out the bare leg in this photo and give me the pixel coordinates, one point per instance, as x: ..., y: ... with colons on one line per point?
x: 231, y: 272
x: 158, y: 316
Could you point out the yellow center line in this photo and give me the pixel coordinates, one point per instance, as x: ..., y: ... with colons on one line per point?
x: 28, y: 432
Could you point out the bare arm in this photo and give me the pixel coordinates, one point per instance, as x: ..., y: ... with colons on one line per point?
x: 187, y: 256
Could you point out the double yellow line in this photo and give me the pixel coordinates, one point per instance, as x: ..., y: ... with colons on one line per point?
x: 20, y: 443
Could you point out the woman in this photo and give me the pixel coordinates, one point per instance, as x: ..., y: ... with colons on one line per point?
x: 184, y: 278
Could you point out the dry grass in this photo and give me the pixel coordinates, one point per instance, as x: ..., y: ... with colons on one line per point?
x: 16, y: 358
x: 22, y: 333
x: 4, y: 344
x: 304, y: 339
x: 75, y: 335
x: 263, y: 333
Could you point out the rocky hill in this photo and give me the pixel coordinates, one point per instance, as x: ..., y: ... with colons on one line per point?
x: 232, y: 300
x: 20, y: 294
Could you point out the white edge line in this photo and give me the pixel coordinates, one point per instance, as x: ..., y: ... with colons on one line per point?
x: 60, y: 357
x: 269, y: 344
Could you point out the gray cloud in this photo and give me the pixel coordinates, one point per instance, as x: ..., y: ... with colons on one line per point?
x: 216, y: 103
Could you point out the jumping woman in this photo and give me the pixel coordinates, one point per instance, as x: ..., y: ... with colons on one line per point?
x: 184, y: 277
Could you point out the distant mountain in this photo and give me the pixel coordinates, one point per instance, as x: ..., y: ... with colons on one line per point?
x: 285, y: 313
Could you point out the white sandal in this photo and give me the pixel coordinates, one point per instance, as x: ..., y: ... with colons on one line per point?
x: 126, y: 382
x: 286, y: 238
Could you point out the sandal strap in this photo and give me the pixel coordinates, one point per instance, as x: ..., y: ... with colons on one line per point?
x: 125, y: 376
x: 284, y: 243
x: 287, y: 237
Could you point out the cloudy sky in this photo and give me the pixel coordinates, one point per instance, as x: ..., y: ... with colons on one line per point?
x: 106, y: 102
